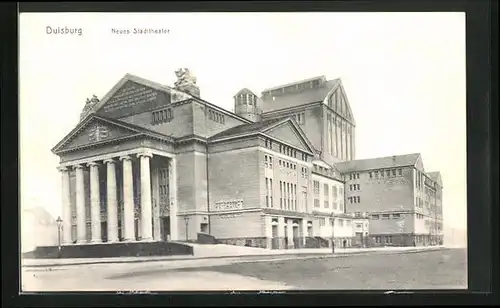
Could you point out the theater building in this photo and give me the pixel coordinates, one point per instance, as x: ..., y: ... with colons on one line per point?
x: 403, y: 201
x: 149, y: 162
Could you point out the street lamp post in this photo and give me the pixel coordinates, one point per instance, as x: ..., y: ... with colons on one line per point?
x: 186, y: 222
x: 333, y: 233
x: 59, y: 226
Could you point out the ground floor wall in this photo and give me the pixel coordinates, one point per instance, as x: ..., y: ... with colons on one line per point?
x: 409, y: 239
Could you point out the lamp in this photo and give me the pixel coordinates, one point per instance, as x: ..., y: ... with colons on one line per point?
x: 186, y: 222
x: 59, y: 226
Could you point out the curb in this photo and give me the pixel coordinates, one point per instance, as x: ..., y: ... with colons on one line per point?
x: 305, y: 255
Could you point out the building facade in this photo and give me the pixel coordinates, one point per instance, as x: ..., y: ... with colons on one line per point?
x: 149, y: 162
x: 400, y: 198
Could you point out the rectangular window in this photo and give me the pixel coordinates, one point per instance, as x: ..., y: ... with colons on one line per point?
x: 388, y: 172
x: 267, y: 192
x: 393, y: 172
x: 350, y: 187
x: 321, y: 222
x: 359, y: 199
x: 334, y: 192
x: 281, y: 194
x: 400, y: 171
x: 270, y: 162
x: 374, y: 217
x: 316, y: 202
x: 357, y: 185
x: 395, y: 216
x: 370, y: 174
x: 271, y: 191
x: 385, y: 216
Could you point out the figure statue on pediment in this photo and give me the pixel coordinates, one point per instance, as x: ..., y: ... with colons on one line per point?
x: 184, y: 77
x: 89, y: 104
x: 186, y: 82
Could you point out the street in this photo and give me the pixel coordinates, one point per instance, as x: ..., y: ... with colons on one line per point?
x: 439, y: 269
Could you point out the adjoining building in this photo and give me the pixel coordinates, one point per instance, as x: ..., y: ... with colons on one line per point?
x: 149, y: 162
x: 404, y: 202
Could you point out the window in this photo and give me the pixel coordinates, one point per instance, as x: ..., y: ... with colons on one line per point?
x: 357, y: 176
x: 334, y: 192
x: 316, y: 187
x: 321, y: 222
x: 376, y: 174
x: 400, y: 171
x: 267, y: 192
x: 393, y: 172
x: 388, y: 172
x: 281, y: 194
x: 395, y: 216
x: 271, y: 191
x: 271, y: 162
x: 316, y: 202
x: 370, y: 174
x: 162, y: 116
x: 374, y: 217
x: 350, y: 187
x: 359, y: 201
x: 385, y: 216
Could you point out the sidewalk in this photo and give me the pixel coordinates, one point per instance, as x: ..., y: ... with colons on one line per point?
x: 223, y: 251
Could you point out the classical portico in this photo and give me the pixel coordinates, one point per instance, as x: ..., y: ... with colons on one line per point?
x: 126, y: 196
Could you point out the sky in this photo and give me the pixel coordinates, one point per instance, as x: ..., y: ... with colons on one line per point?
x: 404, y: 76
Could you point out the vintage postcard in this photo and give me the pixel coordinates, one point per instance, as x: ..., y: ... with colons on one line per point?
x: 242, y: 151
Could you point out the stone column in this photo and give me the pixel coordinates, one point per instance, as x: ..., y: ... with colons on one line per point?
x: 146, y: 210
x: 66, y: 206
x: 289, y: 233
x: 172, y: 177
x: 281, y: 232
x: 112, y: 203
x: 156, y: 205
x: 128, y: 225
x: 81, y: 221
x: 95, y: 203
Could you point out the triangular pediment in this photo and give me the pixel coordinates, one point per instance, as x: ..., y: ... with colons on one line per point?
x: 289, y: 132
x: 96, y: 130
x: 133, y: 97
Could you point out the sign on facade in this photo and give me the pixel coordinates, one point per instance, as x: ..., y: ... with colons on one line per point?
x: 229, y: 205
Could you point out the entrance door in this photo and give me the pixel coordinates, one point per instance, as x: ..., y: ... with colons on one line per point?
x: 286, y: 237
x: 275, y: 240
x: 165, y: 228
x: 104, y: 231
x: 296, y: 237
